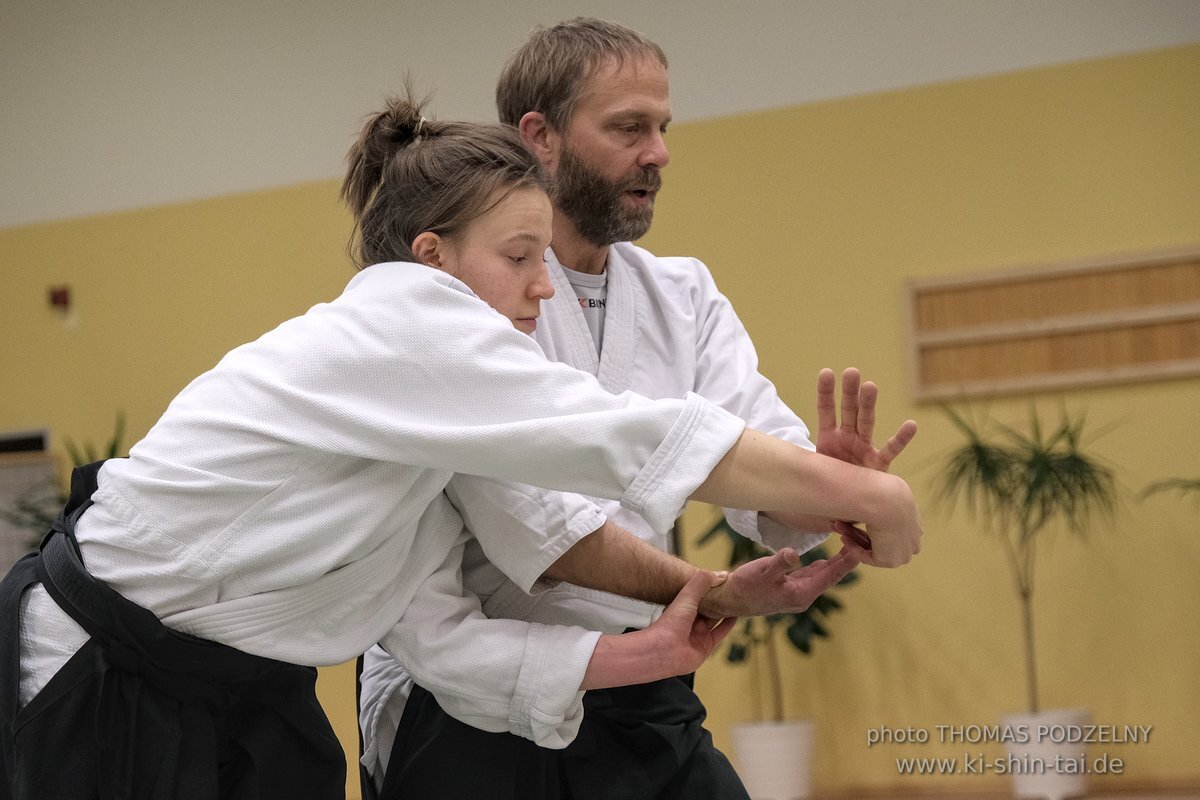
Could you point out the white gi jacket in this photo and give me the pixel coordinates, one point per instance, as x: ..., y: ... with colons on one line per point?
x: 289, y: 501
x: 668, y: 332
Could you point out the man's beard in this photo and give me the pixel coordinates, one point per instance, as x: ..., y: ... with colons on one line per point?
x: 596, y: 205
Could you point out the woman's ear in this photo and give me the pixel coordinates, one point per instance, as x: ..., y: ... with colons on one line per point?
x: 539, y: 138
x: 429, y: 248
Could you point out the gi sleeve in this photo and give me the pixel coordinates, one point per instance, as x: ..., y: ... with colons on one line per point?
x: 501, y: 514
x: 409, y: 366
x: 727, y: 374
x: 496, y: 675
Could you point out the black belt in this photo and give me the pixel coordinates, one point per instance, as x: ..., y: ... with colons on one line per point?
x: 192, y: 670
x: 175, y: 711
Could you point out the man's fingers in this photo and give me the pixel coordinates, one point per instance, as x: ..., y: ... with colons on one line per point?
x: 826, y: 406
x: 856, y: 535
x: 786, y: 560
x: 867, y: 396
x: 821, y: 576
x: 831, y: 570
x: 895, y: 445
x: 839, y: 567
x: 850, y: 386
x: 851, y: 547
x: 689, y: 597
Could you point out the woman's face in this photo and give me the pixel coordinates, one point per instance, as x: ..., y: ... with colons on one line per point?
x: 501, y: 256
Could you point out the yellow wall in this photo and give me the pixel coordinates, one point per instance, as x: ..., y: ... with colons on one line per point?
x: 158, y: 297
x: 812, y: 219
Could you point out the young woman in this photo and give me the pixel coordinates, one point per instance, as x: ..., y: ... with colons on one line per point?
x: 284, y: 509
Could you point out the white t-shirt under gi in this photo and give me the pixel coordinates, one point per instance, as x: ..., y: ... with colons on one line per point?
x: 290, y: 501
x: 668, y: 332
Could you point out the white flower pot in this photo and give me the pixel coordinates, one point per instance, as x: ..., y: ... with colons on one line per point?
x: 1049, y: 764
x: 774, y: 759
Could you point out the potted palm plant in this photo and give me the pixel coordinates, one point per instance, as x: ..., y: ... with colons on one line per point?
x: 1021, y: 485
x: 35, y: 511
x: 773, y: 754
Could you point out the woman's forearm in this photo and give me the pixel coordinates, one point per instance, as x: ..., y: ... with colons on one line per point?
x: 770, y: 475
x: 766, y: 474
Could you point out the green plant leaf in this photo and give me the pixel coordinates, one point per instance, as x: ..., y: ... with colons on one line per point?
x: 825, y: 604
x: 87, y: 453
x: 800, y: 633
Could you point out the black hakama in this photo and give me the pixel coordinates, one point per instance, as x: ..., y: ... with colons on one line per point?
x: 644, y: 742
x: 147, y: 713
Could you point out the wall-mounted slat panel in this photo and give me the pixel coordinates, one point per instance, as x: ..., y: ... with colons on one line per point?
x: 1113, y: 321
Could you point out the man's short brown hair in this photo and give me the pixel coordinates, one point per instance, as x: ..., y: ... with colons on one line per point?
x: 548, y: 72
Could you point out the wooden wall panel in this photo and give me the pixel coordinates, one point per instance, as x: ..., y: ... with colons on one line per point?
x: 1134, y: 318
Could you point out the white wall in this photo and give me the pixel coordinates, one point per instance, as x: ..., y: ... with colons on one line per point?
x: 129, y: 103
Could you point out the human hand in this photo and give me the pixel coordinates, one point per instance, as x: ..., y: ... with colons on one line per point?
x: 674, y: 644
x: 853, y: 440
x: 685, y: 637
x: 893, y: 538
x: 777, y: 584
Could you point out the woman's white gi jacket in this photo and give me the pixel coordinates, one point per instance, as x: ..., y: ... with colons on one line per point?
x: 289, y: 501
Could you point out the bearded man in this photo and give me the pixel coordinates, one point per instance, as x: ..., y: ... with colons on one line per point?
x: 591, y: 101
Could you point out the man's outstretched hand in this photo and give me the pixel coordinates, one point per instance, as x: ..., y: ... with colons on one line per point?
x: 776, y: 584
x: 852, y: 440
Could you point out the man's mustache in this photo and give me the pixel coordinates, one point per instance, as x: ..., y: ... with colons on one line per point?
x: 650, y: 180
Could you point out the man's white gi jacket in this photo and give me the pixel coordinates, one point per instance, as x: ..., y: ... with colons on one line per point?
x: 668, y: 332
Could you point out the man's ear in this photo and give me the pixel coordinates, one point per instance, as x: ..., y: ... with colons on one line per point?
x: 429, y: 249
x: 539, y: 138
